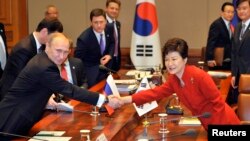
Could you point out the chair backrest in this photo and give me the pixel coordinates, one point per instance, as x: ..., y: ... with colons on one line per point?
x: 243, y: 109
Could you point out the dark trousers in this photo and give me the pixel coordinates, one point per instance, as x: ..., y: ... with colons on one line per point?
x: 232, y: 96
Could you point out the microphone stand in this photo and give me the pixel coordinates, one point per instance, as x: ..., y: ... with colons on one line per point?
x: 94, y: 112
x: 144, y: 134
x: 99, y: 125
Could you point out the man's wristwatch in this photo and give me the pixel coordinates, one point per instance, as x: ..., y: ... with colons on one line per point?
x: 106, y: 100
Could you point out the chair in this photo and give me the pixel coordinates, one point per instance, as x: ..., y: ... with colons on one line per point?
x: 243, y: 106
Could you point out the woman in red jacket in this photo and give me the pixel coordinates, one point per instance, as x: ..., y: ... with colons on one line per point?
x: 194, y: 87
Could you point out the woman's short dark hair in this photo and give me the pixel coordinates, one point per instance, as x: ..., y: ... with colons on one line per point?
x: 176, y: 45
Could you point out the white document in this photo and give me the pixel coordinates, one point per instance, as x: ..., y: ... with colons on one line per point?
x: 62, y: 106
x: 125, y: 81
x: 142, y: 109
x: 126, y: 88
x: 189, y: 121
x: 47, y: 138
x: 50, y: 133
x: 141, y: 73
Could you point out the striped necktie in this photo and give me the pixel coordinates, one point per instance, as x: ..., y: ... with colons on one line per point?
x: 242, y: 31
x: 116, y: 39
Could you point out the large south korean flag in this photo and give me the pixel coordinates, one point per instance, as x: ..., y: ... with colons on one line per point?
x: 145, y: 51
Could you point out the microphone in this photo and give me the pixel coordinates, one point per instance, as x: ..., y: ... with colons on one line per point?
x: 102, y: 67
x: 188, y: 132
x: 204, y: 115
x: 20, y: 136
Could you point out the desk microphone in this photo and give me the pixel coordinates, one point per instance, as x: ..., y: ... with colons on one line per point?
x: 20, y: 136
x: 188, y: 132
x: 204, y: 115
x: 102, y: 67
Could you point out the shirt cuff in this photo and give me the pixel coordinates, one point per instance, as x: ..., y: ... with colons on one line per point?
x: 101, y: 100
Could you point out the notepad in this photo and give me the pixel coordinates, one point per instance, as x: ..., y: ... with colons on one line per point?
x: 126, y: 88
x: 189, y: 121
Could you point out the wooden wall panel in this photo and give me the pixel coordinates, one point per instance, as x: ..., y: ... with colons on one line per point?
x: 13, y: 14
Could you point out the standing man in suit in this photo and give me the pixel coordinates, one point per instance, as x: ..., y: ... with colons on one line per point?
x: 3, y: 49
x: 24, y: 104
x: 24, y: 50
x: 95, y: 46
x: 112, y: 13
x: 219, y: 36
x: 241, y: 44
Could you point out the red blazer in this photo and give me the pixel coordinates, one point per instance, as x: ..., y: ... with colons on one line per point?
x: 199, y: 95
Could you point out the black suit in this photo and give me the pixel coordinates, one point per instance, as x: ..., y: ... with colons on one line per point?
x: 219, y: 37
x: 77, y: 72
x: 2, y: 34
x: 116, y: 60
x: 20, y: 54
x: 88, y: 50
x: 240, y: 52
x: 24, y: 104
x: 240, y: 60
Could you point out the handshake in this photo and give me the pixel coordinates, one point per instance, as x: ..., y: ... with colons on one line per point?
x: 116, y: 101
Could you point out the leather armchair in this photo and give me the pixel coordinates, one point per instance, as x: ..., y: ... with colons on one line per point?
x: 243, y: 106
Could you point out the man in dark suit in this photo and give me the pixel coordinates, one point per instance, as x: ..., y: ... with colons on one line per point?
x: 241, y: 44
x: 24, y: 50
x: 3, y: 49
x: 75, y: 75
x: 24, y: 104
x: 112, y: 13
x: 219, y: 36
x: 95, y: 46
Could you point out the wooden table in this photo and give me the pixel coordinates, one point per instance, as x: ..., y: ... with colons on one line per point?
x: 124, y: 124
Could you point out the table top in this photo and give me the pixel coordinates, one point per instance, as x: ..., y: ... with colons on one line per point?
x: 123, y: 124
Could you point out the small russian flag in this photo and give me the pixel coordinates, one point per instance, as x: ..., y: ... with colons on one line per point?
x: 110, y: 89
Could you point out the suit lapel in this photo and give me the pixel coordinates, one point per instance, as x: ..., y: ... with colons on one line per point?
x: 73, y: 71
x: 95, y: 40
x: 246, y: 34
x: 225, y: 27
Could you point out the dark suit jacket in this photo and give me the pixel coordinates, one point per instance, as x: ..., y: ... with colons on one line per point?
x: 20, y: 54
x: 2, y: 34
x: 77, y: 72
x: 218, y: 37
x: 88, y: 50
x: 116, y: 61
x: 240, y: 52
x: 24, y: 104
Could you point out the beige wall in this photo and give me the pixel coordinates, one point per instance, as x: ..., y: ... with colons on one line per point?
x: 188, y: 19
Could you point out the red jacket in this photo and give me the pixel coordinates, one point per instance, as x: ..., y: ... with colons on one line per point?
x: 199, y: 95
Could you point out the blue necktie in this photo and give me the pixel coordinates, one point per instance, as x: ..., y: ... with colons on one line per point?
x: 102, y: 44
